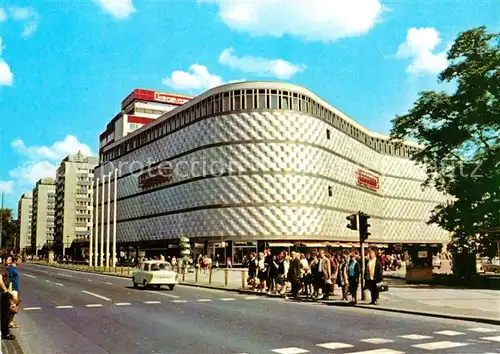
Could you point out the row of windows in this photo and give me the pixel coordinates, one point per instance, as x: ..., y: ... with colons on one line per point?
x: 145, y: 110
x: 255, y: 99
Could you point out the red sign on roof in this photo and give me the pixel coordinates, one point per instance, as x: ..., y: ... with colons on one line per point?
x: 368, y: 180
x: 154, y: 96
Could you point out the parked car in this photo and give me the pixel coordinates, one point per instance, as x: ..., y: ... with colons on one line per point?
x: 154, y: 273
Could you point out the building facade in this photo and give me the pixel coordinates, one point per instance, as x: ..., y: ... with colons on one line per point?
x: 43, y: 214
x: 73, y: 209
x: 265, y: 162
x: 24, y: 215
x: 139, y: 108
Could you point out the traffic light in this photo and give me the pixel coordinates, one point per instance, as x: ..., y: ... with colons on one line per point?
x: 363, y: 227
x: 185, y: 246
x: 353, y: 222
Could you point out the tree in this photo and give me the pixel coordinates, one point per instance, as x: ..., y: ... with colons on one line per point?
x: 460, y: 133
x: 9, y: 229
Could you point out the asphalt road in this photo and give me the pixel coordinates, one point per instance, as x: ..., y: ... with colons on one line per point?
x: 72, y: 312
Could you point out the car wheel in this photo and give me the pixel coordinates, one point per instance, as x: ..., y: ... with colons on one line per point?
x: 145, y: 283
x: 136, y: 285
x: 171, y: 286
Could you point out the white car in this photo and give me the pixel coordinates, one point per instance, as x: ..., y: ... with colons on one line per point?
x: 154, y: 273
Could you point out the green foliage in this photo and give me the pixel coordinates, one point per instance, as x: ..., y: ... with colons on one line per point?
x: 10, y: 229
x: 461, y: 135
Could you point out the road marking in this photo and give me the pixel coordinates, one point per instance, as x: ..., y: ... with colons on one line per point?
x: 64, y: 307
x: 376, y: 340
x: 108, y: 283
x: 178, y: 301
x: 439, y: 345
x: 450, y: 333
x: 65, y: 275
x: 291, y: 350
x: 48, y: 281
x: 334, y: 345
x: 251, y: 297
x: 29, y: 275
x: 227, y: 299
x: 93, y: 305
x: 59, y: 284
x: 152, y: 302
x: 204, y: 300
x: 32, y: 308
x: 123, y: 304
x: 43, y: 271
x: 415, y: 336
x: 379, y: 351
x: 482, y: 330
x: 89, y: 279
x: 96, y: 295
x: 168, y: 295
x: 494, y: 339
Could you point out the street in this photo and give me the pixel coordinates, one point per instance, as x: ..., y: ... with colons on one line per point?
x: 73, y: 312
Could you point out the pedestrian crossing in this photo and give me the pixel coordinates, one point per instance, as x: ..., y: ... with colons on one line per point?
x: 439, y: 341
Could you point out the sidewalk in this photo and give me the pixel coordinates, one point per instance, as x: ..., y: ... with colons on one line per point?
x: 463, y: 304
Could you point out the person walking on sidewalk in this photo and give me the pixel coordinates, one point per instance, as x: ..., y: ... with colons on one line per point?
x: 326, y: 273
x: 353, y: 273
x: 14, y: 281
x: 342, y: 277
x: 373, y: 275
x: 294, y: 274
x: 5, y: 299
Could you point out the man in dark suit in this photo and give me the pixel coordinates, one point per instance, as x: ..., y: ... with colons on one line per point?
x: 373, y: 275
x: 294, y: 274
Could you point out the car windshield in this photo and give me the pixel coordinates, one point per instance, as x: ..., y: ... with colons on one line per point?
x: 159, y: 266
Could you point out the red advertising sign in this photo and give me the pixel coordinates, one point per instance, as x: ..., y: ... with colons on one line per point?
x: 368, y: 180
x: 155, y: 175
x: 167, y: 98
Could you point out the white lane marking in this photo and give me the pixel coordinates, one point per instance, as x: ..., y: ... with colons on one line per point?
x: 494, y: 339
x: 482, y: 330
x: 51, y: 282
x: 251, y: 297
x: 152, y: 302
x: 415, y: 336
x: 65, y: 275
x: 43, y: 271
x: 123, y: 304
x: 64, y: 307
x: 28, y: 275
x: 376, y: 340
x: 450, y: 333
x: 178, y: 301
x: 379, y: 351
x: 32, y: 308
x: 89, y: 279
x: 93, y: 305
x: 59, y: 284
x: 439, y: 345
x: 227, y: 299
x: 96, y: 295
x: 168, y: 295
x: 334, y: 345
x: 291, y: 350
x: 108, y: 283
x: 48, y: 281
x: 204, y: 300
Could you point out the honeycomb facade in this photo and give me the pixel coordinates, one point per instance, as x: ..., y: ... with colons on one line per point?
x: 259, y: 165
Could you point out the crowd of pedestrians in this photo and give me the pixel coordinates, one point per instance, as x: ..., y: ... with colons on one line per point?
x: 9, y: 302
x: 315, y: 275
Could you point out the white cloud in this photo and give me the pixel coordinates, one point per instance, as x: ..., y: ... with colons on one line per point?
x: 197, y: 79
x: 3, y: 15
x: 30, y: 172
x: 120, y: 9
x: 6, y: 76
x: 28, y: 16
x: 420, y: 46
x: 7, y: 186
x: 323, y: 20
x: 278, y: 68
x: 56, y: 152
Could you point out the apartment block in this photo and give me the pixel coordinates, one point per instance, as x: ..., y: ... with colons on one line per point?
x: 73, y: 209
x: 43, y: 212
x: 24, y: 215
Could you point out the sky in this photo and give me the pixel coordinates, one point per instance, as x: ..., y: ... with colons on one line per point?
x: 66, y: 65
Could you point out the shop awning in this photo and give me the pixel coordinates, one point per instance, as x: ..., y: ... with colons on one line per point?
x: 279, y: 244
x: 313, y: 244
